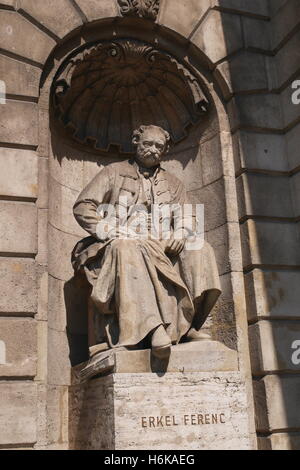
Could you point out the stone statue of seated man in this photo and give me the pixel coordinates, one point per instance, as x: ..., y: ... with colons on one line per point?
x: 148, y: 285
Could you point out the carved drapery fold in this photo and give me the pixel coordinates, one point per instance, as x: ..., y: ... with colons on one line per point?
x: 142, y: 8
x: 106, y: 91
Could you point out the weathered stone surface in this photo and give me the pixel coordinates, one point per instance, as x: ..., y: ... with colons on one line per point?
x: 94, y: 10
x: 272, y: 294
x: 212, y: 40
x: 295, y: 184
x: 20, y: 78
x: 256, y: 111
x: 277, y: 403
x: 186, y: 167
x: 19, y: 123
x: 58, y: 370
x: 256, y: 7
x: 68, y: 304
x: 19, y: 173
x: 48, y: 11
x: 43, y: 193
x: 65, y: 170
x: 183, y: 401
x: 211, y: 160
x: 261, y: 195
x: 20, y: 339
x: 280, y: 441
x: 226, y: 243
x: 18, y: 413
x: 32, y: 43
x: 18, y: 227
x: 257, y: 34
x: 183, y: 358
x: 270, y: 243
x: 284, y: 22
x: 286, y: 68
x: 271, y: 346
x: 9, y: 3
x: 19, y: 290
x: 275, y: 5
x: 182, y: 15
x: 62, y: 200
x: 292, y: 140
x: 57, y: 414
x: 61, y: 246
x: 260, y: 151
x: 238, y: 72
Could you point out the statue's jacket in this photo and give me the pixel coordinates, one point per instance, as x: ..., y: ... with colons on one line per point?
x: 192, y: 277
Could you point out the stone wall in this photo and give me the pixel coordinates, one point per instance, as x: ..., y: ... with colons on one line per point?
x: 247, y: 53
x: 265, y: 126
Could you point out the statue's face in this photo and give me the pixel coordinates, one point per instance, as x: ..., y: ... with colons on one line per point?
x: 151, y: 148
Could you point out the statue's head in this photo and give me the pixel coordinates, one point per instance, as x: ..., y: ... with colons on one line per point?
x: 152, y: 143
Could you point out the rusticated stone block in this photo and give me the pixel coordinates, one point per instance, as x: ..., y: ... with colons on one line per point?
x: 19, y: 173
x: 260, y: 151
x: 272, y: 294
x: 20, y: 339
x: 286, y: 68
x: 262, y: 195
x: 182, y: 15
x: 18, y: 413
x: 292, y: 139
x: 270, y: 243
x: 277, y: 402
x: 256, y: 111
x: 238, y: 72
x: 271, y: 346
x: 19, y: 123
x: 183, y: 411
x: 48, y: 12
x: 20, y: 78
x: 59, y: 371
x: 284, y: 22
x: 95, y: 10
x: 18, y: 227
x: 212, y: 40
x: 19, y: 289
x: 255, y: 7
x: 257, y: 34
x: 32, y: 43
x: 281, y: 441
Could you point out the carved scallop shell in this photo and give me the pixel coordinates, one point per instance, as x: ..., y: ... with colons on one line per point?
x: 107, y: 91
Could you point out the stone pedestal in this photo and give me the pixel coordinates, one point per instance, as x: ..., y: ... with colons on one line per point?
x: 185, y: 410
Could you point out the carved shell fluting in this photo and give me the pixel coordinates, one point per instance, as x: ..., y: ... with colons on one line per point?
x: 106, y: 92
x: 141, y: 8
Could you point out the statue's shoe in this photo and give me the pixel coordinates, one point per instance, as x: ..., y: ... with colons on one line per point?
x: 161, y: 343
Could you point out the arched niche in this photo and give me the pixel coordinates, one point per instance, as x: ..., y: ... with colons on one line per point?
x: 202, y: 157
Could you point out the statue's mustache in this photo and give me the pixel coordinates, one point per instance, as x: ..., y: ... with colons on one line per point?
x: 151, y: 154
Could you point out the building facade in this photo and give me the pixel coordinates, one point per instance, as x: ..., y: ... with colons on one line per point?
x: 240, y: 159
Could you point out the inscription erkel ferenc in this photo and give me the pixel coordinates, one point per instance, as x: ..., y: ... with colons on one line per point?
x: 185, y: 420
